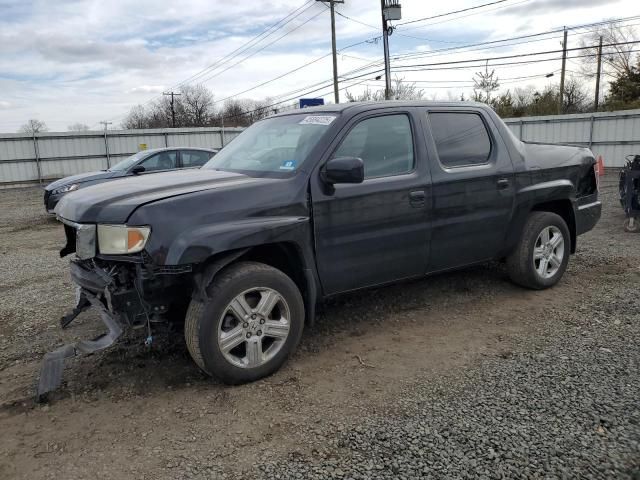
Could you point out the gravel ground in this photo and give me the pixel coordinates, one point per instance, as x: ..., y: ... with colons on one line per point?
x: 459, y: 376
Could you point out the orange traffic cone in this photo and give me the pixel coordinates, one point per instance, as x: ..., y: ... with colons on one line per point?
x: 600, y: 166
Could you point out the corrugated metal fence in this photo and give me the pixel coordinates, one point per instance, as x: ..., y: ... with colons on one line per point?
x: 25, y: 158
x: 613, y: 135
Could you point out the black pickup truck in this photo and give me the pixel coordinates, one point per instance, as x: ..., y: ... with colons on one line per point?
x: 313, y: 203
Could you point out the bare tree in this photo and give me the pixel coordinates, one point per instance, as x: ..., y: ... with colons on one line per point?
x: 33, y: 126
x: 234, y: 114
x: 196, y: 105
x: 575, y: 98
x: 136, y: 118
x: 256, y: 109
x: 617, y: 60
x: 366, y: 96
x: 400, y: 90
x: 78, y: 127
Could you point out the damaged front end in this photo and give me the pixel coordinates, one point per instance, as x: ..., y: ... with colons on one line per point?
x: 128, y: 291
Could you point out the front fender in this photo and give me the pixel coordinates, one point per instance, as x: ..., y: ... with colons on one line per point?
x: 198, y: 244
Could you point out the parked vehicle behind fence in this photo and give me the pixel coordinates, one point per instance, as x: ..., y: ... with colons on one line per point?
x: 306, y: 205
x: 147, y: 161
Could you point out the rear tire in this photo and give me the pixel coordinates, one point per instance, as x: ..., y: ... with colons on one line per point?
x: 632, y: 227
x: 249, y: 325
x: 542, y: 255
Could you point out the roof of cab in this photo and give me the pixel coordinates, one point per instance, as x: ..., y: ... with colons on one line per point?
x: 364, y: 106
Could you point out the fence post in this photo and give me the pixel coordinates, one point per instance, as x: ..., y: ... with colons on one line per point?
x: 37, y: 153
x: 521, y: 129
x: 166, y: 139
x: 106, y: 147
x: 591, y: 128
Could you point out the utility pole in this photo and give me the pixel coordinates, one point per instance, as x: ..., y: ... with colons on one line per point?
x: 106, y: 142
x: 564, y: 65
x: 222, y: 129
x: 336, y: 93
x: 598, y: 72
x: 173, y: 112
x: 387, y: 65
x: 391, y: 10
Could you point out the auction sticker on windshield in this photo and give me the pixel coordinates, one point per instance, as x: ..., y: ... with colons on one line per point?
x: 288, y: 165
x: 317, y: 120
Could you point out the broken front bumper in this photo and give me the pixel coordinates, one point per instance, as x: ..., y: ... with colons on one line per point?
x: 53, y: 363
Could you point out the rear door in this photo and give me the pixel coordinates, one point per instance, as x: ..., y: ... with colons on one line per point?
x: 194, y: 158
x: 377, y: 231
x: 473, y: 187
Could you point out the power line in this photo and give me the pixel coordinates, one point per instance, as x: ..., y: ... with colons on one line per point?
x: 220, y: 72
x: 251, y: 43
x: 482, y: 65
x: 432, y: 53
x: 453, y: 12
x: 328, y: 84
x: 244, y: 48
x: 470, y: 15
x: 443, y: 51
x: 447, y: 49
x: 289, y: 72
x: 265, y: 107
x: 547, y: 52
x: 241, y: 49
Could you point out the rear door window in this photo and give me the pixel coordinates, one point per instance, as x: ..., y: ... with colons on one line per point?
x: 194, y: 158
x: 461, y: 138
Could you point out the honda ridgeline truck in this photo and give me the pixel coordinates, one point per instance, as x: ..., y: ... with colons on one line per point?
x: 313, y: 203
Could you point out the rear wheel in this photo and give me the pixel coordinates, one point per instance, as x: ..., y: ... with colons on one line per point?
x: 251, y: 323
x: 632, y: 225
x: 542, y: 255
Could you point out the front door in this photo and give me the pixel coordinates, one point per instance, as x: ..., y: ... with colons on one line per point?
x: 377, y: 231
x: 473, y: 187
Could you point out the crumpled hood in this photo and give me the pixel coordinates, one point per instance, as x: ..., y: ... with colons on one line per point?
x: 115, y: 201
x: 80, y: 178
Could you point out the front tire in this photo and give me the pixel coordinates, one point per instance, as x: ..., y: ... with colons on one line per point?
x: 542, y: 255
x: 249, y: 325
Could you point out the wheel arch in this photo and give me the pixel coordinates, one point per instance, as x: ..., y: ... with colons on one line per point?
x: 287, y: 257
x: 563, y: 208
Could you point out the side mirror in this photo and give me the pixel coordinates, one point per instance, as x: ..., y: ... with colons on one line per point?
x: 343, y: 170
x: 137, y: 169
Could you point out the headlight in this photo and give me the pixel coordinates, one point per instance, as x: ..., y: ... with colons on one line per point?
x: 65, y: 189
x: 121, y: 239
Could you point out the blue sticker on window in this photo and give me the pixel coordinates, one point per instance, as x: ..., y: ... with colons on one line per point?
x: 288, y: 165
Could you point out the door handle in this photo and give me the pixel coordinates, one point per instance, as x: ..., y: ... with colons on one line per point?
x: 417, y: 198
x: 503, y: 183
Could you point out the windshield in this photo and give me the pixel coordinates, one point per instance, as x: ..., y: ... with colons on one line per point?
x: 279, y: 144
x: 128, y: 162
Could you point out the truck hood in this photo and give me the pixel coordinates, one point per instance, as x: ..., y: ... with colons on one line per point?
x: 81, y: 178
x: 114, y: 202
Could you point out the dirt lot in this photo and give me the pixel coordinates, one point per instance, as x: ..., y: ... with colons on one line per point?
x: 460, y: 375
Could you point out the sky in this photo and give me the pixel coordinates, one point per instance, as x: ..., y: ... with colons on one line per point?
x: 87, y: 61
